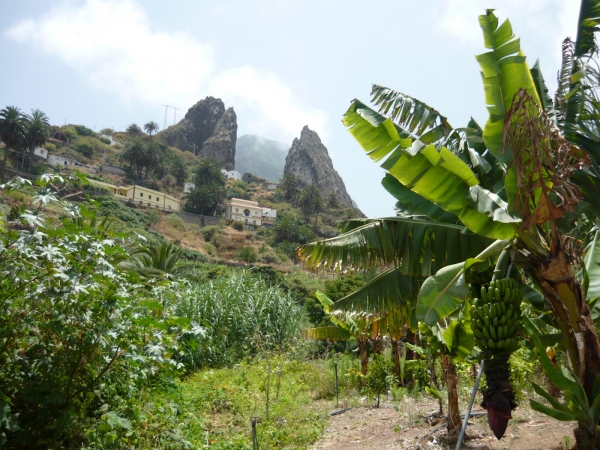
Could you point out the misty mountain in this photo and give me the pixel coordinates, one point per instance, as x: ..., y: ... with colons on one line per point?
x: 260, y: 157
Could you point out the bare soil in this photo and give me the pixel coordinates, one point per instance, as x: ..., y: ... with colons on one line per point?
x: 405, y: 425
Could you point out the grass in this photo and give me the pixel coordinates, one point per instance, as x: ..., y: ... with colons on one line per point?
x: 225, y: 400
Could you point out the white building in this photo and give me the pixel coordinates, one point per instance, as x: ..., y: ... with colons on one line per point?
x: 244, y: 211
x: 232, y: 174
x: 41, y: 152
x: 269, y: 213
x: 271, y: 186
x: 61, y: 161
x: 187, y: 187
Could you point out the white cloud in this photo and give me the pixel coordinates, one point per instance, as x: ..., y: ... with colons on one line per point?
x: 114, y: 47
x: 542, y: 25
x: 544, y: 19
x: 255, y: 91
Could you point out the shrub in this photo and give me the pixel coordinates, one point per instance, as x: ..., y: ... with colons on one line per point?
x: 247, y: 254
x: 176, y: 222
x: 85, y: 148
x: 50, y: 147
x: 104, y: 140
x: 269, y: 258
x: 82, y: 130
x: 239, y: 226
x: 210, y: 232
x: 379, y: 377
x: 211, y: 249
x: 101, y: 340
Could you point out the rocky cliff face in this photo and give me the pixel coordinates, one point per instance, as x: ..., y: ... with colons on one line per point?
x: 310, y: 163
x: 209, y: 129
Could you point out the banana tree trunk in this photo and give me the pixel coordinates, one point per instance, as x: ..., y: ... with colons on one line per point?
x: 364, y: 359
x: 396, y: 361
x: 449, y: 368
x: 562, y: 289
x: 412, y: 340
x: 377, y: 345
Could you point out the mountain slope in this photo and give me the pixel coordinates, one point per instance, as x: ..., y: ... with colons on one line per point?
x: 260, y: 157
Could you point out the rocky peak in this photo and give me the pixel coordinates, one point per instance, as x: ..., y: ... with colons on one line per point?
x: 209, y: 129
x: 309, y: 161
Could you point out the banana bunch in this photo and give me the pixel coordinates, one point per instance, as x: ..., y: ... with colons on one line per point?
x: 497, y: 315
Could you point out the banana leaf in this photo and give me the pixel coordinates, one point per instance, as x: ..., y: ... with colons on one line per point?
x: 438, y: 176
x: 504, y: 71
x: 416, y: 247
x: 387, y: 292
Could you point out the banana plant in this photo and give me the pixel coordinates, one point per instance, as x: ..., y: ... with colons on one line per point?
x: 454, y: 340
x: 527, y: 180
x: 346, y: 326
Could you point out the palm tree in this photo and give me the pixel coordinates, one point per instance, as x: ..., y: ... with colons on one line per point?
x: 134, y: 130
x: 487, y: 180
x: 289, y: 185
x: 135, y: 153
x: 310, y: 201
x: 199, y: 199
x: 163, y: 257
x: 38, y: 132
x: 13, y: 125
x: 208, y: 171
x: 151, y: 127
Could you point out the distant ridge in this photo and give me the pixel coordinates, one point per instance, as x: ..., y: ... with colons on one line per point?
x: 260, y: 156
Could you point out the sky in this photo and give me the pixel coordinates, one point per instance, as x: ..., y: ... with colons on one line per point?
x: 280, y: 64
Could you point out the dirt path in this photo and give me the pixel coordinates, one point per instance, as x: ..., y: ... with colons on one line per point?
x: 404, y: 427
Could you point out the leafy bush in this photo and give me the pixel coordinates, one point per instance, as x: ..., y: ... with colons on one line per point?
x: 211, y: 249
x: 80, y: 341
x: 247, y: 254
x: 241, y: 315
x: 176, y: 222
x: 239, y: 226
x: 82, y: 130
x: 84, y: 148
x: 380, y: 376
x: 50, y: 146
x: 210, y: 232
x: 269, y: 258
x: 114, y: 208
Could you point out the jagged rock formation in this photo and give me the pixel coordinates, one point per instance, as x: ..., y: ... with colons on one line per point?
x: 310, y: 163
x: 209, y: 129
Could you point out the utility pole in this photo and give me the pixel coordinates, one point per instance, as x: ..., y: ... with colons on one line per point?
x: 174, y: 114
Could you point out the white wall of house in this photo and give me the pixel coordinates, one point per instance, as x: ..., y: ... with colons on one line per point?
x: 271, y: 186
x: 41, y: 152
x: 54, y: 160
x: 232, y: 174
x: 269, y: 213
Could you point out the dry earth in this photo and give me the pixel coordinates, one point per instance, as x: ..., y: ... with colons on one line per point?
x: 404, y: 426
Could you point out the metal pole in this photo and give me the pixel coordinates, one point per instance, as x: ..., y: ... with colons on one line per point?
x: 468, y: 413
x: 254, y: 436
x: 337, y: 401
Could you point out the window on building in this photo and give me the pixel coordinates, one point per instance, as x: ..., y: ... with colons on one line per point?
x: 246, y: 220
x: 236, y: 209
x: 247, y: 213
x: 169, y: 206
x: 254, y: 221
x: 158, y: 199
x: 141, y: 194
